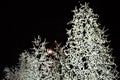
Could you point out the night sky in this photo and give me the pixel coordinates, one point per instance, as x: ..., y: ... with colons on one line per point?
x: 22, y: 21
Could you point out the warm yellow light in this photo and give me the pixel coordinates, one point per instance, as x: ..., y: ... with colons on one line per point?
x: 49, y: 51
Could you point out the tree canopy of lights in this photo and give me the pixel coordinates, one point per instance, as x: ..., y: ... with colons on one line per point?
x: 86, y: 56
x: 36, y: 64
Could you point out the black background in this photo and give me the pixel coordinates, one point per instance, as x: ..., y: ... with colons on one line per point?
x: 21, y: 21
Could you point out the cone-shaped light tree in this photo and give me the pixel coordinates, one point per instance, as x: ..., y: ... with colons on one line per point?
x: 87, y: 50
x: 36, y: 64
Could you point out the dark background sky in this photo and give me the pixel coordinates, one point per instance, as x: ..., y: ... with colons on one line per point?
x: 21, y: 21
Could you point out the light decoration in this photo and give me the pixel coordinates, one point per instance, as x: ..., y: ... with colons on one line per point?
x: 50, y: 51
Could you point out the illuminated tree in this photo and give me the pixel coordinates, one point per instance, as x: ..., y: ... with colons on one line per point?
x: 88, y: 54
x: 36, y: 64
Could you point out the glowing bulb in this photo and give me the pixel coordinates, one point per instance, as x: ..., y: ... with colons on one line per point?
x: 50, y: 51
